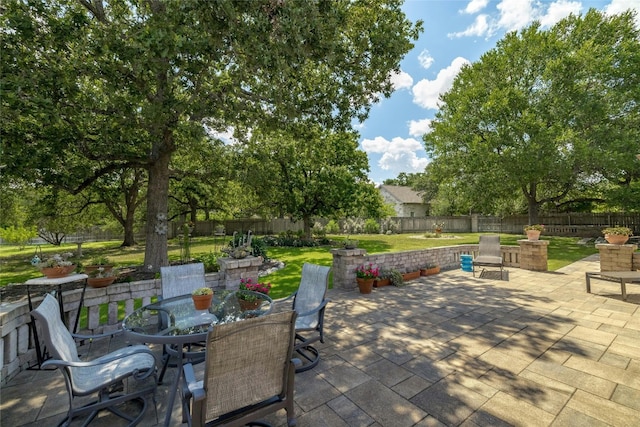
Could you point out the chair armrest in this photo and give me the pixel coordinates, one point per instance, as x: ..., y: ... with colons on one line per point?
x: 315, y: 310
x: 96, y: 362
x: 194, y: 389
x: 80, y: 337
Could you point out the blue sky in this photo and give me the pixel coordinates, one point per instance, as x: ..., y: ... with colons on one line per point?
x: 456, y: 32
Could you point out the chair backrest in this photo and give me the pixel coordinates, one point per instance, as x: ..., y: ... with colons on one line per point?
x: 181, y: 279
x: 247, y: 362
x: 55, y: 334
x: 489, y: 245
x: 311, y: 292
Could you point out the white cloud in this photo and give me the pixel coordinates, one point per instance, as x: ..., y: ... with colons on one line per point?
x: 426, y: 92
x: 418, y: 128
x: 619, y: 6
x: 558, y: 11
x: 425, y: 59
x: 475, y: 6
x: 401, y: 80
x: 480, y: 27
x: 515, y: 14
x: 398, y: 155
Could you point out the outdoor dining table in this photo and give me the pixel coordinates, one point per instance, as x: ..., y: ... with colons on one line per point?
x: 175, y: 322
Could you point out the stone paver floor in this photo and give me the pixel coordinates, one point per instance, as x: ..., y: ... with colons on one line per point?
x: 450, y: 349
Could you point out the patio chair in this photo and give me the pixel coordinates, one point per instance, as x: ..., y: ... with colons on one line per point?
x: 309, y: 301
x: 249, y: 373
x: 489, y: 253
x: 180, y: 280
x: 104, y: 375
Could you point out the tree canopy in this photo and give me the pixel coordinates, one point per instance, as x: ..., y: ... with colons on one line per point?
x: 545, y: 117
x: 91, y: 87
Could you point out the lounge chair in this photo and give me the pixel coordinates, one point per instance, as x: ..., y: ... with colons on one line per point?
x: 489, y: 253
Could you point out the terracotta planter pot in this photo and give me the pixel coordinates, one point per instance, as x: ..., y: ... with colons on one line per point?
x: 411, y: 275
x: 57, y: 272
x: 365, y: 285
x: 533, y: 234
x: 378, y: 283
x: 249, y: 305
x: 91, y: 268
x: 100, y: 282
x: 430, y: 271
x: 202, y: 302
x: 616, y: 239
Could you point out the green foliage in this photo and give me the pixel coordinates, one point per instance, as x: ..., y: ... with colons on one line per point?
x: 259, y: 248
x: 332, y: 227
x: 209, y: 260
x: 559, y: 129
x: 371, y: 226
x: 18, y: 235
x: 318, y: 231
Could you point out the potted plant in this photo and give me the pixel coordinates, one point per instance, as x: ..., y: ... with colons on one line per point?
x: 56, y: 266
x: 396, y: 277
x: 247, y: 298
x: 384, y: 278
x: 350, y: 243
x: 98, y: 262
x: 617, y: 235
x: 202, y: 298
x: 101, y: 277
x: 533, y: 231
x: 430, y: 269
x: 365, y: 275
x: 411, y: 274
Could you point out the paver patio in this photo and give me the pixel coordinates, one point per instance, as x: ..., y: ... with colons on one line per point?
x: 445, y: 350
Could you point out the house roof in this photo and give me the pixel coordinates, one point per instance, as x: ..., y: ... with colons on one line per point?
x: 403, y: 194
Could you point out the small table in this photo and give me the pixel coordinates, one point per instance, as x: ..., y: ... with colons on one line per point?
x: 175, y: 322
x: 622, y: 277
x: 44, y: 281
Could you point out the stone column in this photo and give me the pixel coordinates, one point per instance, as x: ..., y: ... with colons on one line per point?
x: 345, y: 262
x: 533, y: 254
x: 616, y: 257
x: 232, y: 270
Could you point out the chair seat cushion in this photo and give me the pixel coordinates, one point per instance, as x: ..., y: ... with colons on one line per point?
x: 486, y: 259
x: 86, y: 380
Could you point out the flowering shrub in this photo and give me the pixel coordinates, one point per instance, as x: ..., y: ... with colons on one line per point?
x: 367, y: 271
x: 248, y: 285
x: 56, y: 260
x: 622, y: 231
x: 537, y: 227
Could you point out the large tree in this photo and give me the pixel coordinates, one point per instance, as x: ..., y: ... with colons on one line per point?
x: 306, y: 173
x: 542, y: 114
x: 128, y: 82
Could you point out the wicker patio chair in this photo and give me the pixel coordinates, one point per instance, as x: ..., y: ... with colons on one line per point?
x: 181, y: 280
x: 249, y: 373
x: 309, y: 301
x: 104, y: 376
x: 489, y: 253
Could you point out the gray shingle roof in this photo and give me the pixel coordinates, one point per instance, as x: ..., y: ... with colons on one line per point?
x: 403, y: 194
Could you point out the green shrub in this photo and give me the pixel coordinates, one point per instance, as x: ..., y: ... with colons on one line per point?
x: 371, y: 226
x: 332, y: 227
x: 210, y: 261
x: 18, y: 235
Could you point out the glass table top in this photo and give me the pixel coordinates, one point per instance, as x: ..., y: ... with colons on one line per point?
x: 178, y: 318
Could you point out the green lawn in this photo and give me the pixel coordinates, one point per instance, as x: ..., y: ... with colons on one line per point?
x: 15, y: 266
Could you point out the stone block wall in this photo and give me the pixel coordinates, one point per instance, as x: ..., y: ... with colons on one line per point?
x: 533, y: 254
x: 616, y: 257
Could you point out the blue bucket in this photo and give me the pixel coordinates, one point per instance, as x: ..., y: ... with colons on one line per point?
x: 466, y: 262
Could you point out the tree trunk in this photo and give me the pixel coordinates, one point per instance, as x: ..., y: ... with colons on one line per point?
x: 155, y: 253
x: 307, y: 227
x: 129, y: 237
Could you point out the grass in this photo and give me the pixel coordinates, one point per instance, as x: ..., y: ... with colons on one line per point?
x: 15, y: 266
